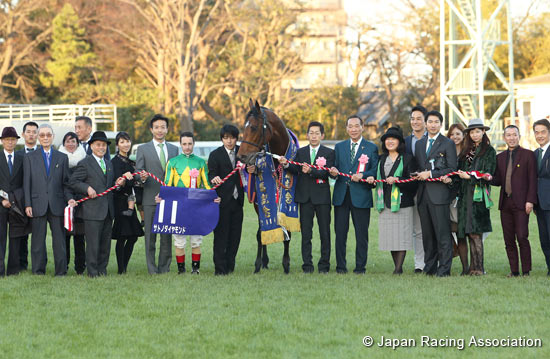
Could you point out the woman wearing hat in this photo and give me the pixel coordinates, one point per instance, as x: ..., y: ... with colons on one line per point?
x: 474, y: 194
x: 395, y: 201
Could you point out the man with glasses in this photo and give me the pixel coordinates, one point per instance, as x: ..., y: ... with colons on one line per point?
x: 418, y: 126
x: 45, y: 182
x: 313, y: 195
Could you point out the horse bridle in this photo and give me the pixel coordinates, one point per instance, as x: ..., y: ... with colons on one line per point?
x: 263, y: 143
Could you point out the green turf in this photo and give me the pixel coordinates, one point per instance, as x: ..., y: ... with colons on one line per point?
x: 271, y: 314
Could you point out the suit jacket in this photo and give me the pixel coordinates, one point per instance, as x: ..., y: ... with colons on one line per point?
x: 408, y: 144
x: 361, y: 194
x: 86, y: 174
x: 543, y: 180
x: 307, y: 188
x: 148, y: 160
x: 443, y: 157
x: 9, y: 183
x: 43, y: 191
x: 219, y: 164
x: 524, y: 177
x: 408, y: 190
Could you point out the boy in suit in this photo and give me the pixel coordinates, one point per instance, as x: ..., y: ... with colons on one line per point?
x: 227, y: 234
x: 93, y: 175
x: 516, y: 173
x: 11, y: 179
x: 153, y: 157
x: 313, y: 195
x: 436, y: 156
x: 357, y: 157
x: 45, y: 182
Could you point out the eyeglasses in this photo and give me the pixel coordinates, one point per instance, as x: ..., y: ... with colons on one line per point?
x: 45, y: 135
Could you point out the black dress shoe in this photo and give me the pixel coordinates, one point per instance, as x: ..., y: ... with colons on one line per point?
x: 324, y: 271
x: 418, y: 270
x: 341, y: 271
x: 308, y: 270
x: 359, y: 271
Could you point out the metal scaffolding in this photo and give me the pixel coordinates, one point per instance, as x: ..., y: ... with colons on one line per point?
x: 468, y: 41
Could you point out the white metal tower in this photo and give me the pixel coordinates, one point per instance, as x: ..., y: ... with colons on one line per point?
x: 468, y: 40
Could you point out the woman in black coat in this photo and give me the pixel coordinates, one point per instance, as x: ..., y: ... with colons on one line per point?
x: 395, y: 201
x: 126, y: 228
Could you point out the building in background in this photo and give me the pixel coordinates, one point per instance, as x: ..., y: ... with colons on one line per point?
x: 320, y: 47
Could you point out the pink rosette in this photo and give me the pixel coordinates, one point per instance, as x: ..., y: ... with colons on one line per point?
x: 321, y: 162
x: 363, y: 160
x: 194, y: 173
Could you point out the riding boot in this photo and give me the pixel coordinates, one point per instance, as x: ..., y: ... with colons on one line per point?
x: 195, y: 265
x: 181, y: 268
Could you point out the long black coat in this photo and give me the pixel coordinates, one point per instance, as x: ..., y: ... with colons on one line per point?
x: 124, y: 226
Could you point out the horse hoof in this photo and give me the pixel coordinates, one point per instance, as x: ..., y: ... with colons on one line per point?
x: 286, y: 266
x: 257, y: 266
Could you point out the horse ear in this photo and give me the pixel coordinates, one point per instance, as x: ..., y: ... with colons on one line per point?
x: 251, y: 104
x: 258, y: 108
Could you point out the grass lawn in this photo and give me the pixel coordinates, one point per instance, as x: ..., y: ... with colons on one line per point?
x: 272, y: 315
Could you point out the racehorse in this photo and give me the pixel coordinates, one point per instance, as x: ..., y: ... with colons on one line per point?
x: 262, y: 128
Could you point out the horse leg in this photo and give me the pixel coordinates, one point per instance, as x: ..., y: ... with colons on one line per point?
x: 265, y: 257
x: 258, y: 262
x: 286, y: 256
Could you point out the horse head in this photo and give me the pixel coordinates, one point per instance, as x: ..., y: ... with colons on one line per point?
x: 257, y: 133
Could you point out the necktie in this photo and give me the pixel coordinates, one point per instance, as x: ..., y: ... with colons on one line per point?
x: 162, y: 156
x: 48, y: 163
x: 313, y: 155
x: 431, y: 140
x: 30, y: 150
x: 10, y: 164
x: 85, y: 144
x: 102, y: 165
x: 353, y: 146
x: 508, y: 184
x: 539, y: 158
x: 232, y: 158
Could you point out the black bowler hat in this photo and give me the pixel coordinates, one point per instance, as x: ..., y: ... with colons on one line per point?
x: 8, y: 132
x: 99, y: 136
x: 394, y: 132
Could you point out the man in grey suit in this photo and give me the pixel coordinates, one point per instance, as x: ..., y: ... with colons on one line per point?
x: 436, y: 157
x: 45, y: 179
x: 152, y: 157
x: 94, y: 174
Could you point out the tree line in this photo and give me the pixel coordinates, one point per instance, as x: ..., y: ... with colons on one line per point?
x: 199, y: 61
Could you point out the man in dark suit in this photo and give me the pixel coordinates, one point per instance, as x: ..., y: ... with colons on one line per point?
x: 436, y: 156
x: 542, y: 210
x: 516, y: 173
x: 11, y: 179
x: 418, y: 125
x: 83, y: 129
x: 227, y: 234
x: 93, y: 175
x: 153, y: 157
x: 45, y: 176
x: 358, y: 158
x: 313, y: 195
x: 30, y: 134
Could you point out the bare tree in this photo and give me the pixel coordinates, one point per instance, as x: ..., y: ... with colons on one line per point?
x: 23, y: 27
x: 175, y: 50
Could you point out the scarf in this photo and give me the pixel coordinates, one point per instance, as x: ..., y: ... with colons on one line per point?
x: 395, y: 191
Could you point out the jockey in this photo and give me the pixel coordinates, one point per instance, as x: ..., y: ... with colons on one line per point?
x: 187, y: 170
